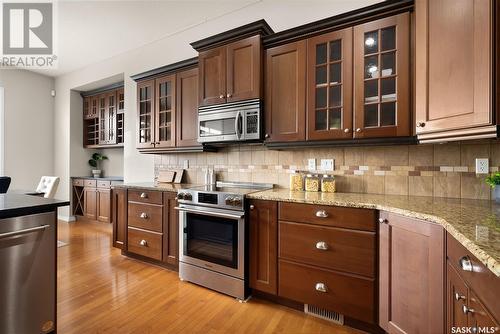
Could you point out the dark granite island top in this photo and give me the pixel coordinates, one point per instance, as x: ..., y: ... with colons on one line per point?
x: 14, y: 205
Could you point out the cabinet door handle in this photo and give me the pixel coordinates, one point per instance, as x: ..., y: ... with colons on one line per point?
x: 382, y: 221
x: 465, y: 263
x: 144, y: 195
x: 229, y: 95
x: 420, y: 124
x: 466, y: 310
x: 459, y: 296
x: 143, y: 243
x: 144, y: 215
x: 321, y: 287
x: 358, y: 130
x: 321, y: 245
x: 321, y: 214
x: 252, y: 207
x: 266, y: 135
x: 221, y: 96
x: 347, y: 130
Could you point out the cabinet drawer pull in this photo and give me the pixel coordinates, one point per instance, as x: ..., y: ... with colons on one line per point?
x: 321, y: 214
x: 465, y: 263
x: 382, y: 221
x: 347, y: 130
x: 144, y: 195
x: 321, y: 287
x: 143, y: 243
x: 459, y: 296
x: 144, y: 215
x: 358, y: 130
x: 221, y: 96
x: 229, y: 95
x: 466, y: 310
x: 420, y: 124
x: 321, y: 245
x: 252, y: 207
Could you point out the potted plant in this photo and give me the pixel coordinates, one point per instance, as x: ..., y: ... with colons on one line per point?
x: 494, y: 181
x: 94, y: 162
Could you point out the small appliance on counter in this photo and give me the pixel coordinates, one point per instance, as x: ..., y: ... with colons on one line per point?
x: 212, y: 248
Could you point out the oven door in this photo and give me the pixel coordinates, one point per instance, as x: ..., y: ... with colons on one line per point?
x: 213, y: 239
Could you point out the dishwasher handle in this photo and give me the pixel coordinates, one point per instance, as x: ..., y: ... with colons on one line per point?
x: 24, y: 231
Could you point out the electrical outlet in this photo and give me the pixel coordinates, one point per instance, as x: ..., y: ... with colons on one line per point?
x: 327, y: 164
x: 482, y: 166
x: 186, y: 164
x: 311, y: 164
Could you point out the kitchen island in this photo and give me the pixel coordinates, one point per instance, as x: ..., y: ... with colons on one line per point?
x: 28, y: 248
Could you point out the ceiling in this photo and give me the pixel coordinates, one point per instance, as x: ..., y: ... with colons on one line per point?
x: 92, y: 31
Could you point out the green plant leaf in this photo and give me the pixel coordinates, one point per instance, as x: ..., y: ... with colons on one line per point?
x: 93, y: 163
x: 96, y: 156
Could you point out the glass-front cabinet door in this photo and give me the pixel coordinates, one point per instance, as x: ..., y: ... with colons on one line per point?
x: 330, y: 86
x: 381, y: 74
x: 145, y: 112
x: 165, y: 111
x: 103, y: 119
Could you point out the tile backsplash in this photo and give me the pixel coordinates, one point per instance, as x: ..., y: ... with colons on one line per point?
x: 441, y: 170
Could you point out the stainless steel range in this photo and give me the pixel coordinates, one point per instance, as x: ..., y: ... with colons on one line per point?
x: 212, y: 247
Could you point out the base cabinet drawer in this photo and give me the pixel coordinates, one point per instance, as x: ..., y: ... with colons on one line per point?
x: 145, y: 216
x: 146, y: 196
x: 353, y: 218
x: 148, y: 244
x: 349, y: 295
x: 332, y: 248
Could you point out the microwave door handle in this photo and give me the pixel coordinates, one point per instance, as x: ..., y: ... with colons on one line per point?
x: 237, y: 124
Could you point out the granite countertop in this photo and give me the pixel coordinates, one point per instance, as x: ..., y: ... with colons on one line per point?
x: 474, y: 223
x: 105, y: 178
x: 14, y: 205
x: 172, y: 187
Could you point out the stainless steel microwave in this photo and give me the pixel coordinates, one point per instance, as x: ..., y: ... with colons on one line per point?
x: 230, y: 122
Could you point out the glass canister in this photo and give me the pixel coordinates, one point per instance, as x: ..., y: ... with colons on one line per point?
x: 296, y: 181
x: 328, y: 184
x: 312, y: 182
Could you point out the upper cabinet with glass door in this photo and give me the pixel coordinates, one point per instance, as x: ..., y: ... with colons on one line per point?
x: 165, y: 112
x: 381, y: 78
x: 330, y: 86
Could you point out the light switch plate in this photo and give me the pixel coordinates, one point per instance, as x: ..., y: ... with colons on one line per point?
x: 186, y: 164
x: 482, y: 166
x: 311, y: 164
x: 327, y: 164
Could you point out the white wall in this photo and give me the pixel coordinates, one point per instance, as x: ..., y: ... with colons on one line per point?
x: 279, y: 14
x: 29, y: 127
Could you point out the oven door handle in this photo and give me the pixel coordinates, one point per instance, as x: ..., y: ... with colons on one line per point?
x: 210, y: 213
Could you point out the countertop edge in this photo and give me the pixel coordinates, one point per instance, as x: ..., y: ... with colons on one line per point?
x: 486, y: 259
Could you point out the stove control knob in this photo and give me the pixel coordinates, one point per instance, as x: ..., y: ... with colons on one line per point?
x: 229, y: 200
x: 236, y: 201
x: 188, y: 197
x: 181, y: 196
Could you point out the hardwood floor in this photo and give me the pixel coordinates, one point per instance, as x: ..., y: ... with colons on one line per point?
x: 101, y: 291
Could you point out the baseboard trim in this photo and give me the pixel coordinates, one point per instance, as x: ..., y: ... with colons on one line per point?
x: 67, y: 219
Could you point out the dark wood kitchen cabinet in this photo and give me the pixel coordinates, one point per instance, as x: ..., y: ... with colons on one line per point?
x: 103, y: 204
x: 285, y: 92
x: 472, y: 291
x: 164, y: 112
x: 167, y: 111
x: 263, y: 246
x: 90, y: 203
x: 329, y: 84
x: 187, y: 108
x: 152, y: 231
x: 231, y: 73
x: 455, y: 69
x: 119, y: 216
x: 411, y: 275
x: 103, y: 117
x: 382, y: 78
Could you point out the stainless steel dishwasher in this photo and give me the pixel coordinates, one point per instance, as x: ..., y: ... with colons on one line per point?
x: 28, y: 274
